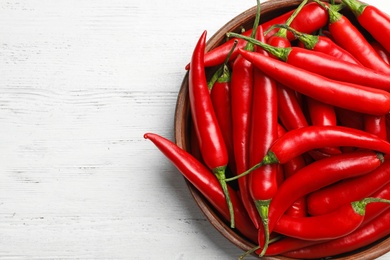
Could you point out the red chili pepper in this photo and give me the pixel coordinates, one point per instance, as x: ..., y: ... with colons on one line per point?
x: 325, y: 115
x: 367, y: 234
x: 351, y: 39
x: 338, y: 223
x: 310, y: 19
x: 211, y: 143
x: 280, y: 38
x: 373, y: 210
x: 298, y: 209
x: 299, y: 141
x: 289, y: 109
x: 322, y: 44
x: 263, y: 182
x: 328, y: 171
x: 203, y: 180
x: 287, y: 244
x: 375, y: 21
x: 320, y: 113
x: 241, y: 104
x: 194, y: 143
x: 342, y: 94
x: 220, y: 85
x: 328, y: 66
x: 332, y: 197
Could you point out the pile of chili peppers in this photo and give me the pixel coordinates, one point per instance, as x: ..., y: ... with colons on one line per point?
x: 290, y: 135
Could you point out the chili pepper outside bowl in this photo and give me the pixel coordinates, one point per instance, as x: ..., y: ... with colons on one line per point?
x: 182, y: 125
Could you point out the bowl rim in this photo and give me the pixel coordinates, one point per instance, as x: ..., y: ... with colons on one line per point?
x: 374, y: 250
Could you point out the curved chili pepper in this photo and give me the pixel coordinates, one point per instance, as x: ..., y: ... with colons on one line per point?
x: 375, y: 21
x: 322, y: 44
x: 330, y: 198
x: 328, y: 171
x: 220, y: 85
x: 373, y: 210
x: 328, y: 66
x: 221, y: 98
x: 204, y: 181
x: 338, y: 223
x: 343, y: 94
x: 351, y: 39
x: 310, y: 19
x: 299, y: 141
x: 298, y: 208
x: 211, y: 142
x: 367, y: 234
x: 241, y: 104
x: 263, y: 182
x: 289, y: 109
x: 287, y: 244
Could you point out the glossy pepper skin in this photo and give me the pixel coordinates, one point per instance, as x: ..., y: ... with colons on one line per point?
x: 286, y: 244
x: 220, y: 89
x: 326, y: 65
x: 263, y: 182
x: 375, y: 21
x: 330, y: 198
x: 299, y: 141
x: 340, y: 222
x: 242, y: 81
x: 328, y: 171
x: 342, y: 94
x: 351, y: 39
x: 323, y: 44
x: 310, y: 19
x: 211, y: 142
x: 367, y: 234
x: 373, y: 210
x: 204, y: 181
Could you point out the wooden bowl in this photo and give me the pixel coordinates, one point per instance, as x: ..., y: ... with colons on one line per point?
x: 269, y: 10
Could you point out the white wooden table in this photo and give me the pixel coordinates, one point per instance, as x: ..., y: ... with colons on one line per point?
x: 80, y: 83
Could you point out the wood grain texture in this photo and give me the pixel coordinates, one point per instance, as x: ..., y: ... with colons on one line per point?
x: 80, y: 82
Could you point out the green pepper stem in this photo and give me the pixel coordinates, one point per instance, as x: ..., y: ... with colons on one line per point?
x: 250, y: 251
x: 269, y: 158
x: 355, y: 6
x: 280, y: 53
x: 223, y: 73
x: 360, y: 206
x: 256, y: 166
x: 333, y: 10
x: 283, y: 32
x: 263, y: 209
x: 249, y: 46
x: 220, y: 174
x: 308, y: 40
